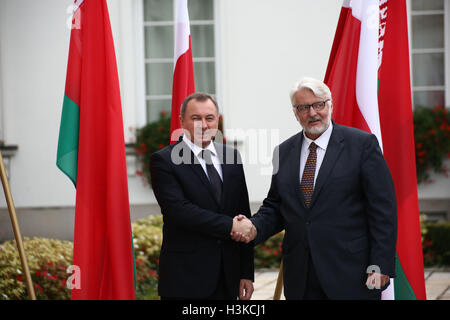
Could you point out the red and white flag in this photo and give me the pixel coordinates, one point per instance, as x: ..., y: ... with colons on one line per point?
x: 369, y: 76
x: 183, y: 74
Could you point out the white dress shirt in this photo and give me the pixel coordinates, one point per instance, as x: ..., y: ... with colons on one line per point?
x: 322, y: 144
x: 198, y: 153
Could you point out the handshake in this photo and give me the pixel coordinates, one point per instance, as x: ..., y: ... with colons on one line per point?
x: 243, y: 229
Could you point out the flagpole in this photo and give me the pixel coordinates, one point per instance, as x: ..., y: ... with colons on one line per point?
x: 279, y: 286
x: 16, y: 229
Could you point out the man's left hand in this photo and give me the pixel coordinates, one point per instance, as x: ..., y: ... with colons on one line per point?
x: 245, y: 289
x: 376, y: 280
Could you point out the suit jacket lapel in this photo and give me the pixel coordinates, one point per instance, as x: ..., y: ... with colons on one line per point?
x: 293, y: 162
x: 191, y: 161
x: 334, y: 148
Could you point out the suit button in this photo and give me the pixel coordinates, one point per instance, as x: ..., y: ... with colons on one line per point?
x: 308, y: 223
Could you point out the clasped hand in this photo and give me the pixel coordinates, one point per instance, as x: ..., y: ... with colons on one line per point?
x: 243, y: 229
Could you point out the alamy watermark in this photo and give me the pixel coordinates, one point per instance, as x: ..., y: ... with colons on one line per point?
x: 74, y: 281
x: 256, y: 147
x: 374, y: 279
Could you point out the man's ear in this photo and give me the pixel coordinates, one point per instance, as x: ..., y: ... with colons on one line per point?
x: 181, y: 120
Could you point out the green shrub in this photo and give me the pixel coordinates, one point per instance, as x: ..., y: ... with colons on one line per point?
x: 147, y: 239
x: 432, y: 141
x: 151, y: 138
x: 48, y: 260
x: 436, y: 243
x: 268, y: 254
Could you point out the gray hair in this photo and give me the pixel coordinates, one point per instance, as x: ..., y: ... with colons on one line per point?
x: 199, y: 96
x: 319, y: 88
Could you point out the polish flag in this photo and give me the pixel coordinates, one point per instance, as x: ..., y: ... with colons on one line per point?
x: 183, y: 74
x: 369, y: 76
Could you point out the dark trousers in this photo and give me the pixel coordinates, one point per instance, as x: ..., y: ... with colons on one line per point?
x: 221, y: 291
x: 313, y: 289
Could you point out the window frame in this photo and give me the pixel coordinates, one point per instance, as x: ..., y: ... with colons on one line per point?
x: 145, y: 61
x: 445, y: 50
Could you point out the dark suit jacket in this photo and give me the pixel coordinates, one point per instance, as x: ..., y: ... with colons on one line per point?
x: 196, y: 232
x: 350, y: 225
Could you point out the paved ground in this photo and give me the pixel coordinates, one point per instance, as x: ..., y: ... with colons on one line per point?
x: 437, y: 283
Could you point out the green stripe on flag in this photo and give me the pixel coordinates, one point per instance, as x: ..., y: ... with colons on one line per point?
x: 67, y: 155
x: 402, y: 288
x: 134, y: 258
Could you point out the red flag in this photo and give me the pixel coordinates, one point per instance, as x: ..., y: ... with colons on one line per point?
x: 183, y: 75
x: 368, y: 74
x: 102, y: 237
x: 396, y: 118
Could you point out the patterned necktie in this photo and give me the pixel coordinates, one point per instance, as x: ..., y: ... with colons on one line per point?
x: 213, y: 175
x: 307, y: 183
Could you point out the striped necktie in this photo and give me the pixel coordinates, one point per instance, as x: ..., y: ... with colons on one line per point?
x: 307, y: 183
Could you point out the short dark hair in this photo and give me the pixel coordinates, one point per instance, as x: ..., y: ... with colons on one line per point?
x: 199, y: 96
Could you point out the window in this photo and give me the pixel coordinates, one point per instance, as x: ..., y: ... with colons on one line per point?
x: 159, y: 31
x: 429, y: 54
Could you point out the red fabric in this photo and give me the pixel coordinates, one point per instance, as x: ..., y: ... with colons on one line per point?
x: 102, y: 237
x: 343, y: 16
x: 341, y: 72
x: 183, y: 86
x: 394, y: 98
x: 395, y: 109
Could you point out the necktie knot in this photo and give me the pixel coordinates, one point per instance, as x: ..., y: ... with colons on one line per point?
x: 312, y: 147
x: 206, y: 155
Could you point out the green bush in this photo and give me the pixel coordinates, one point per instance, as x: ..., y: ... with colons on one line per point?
x: 268, y: 254
x: 149, y: 139
x: 432, y: 140
x: 48, y: 260
x: 147, y: 239
x: 436, y: 243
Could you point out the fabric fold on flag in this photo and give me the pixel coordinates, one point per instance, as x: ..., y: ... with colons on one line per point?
x: 369, y: 76
x: 91, y: 151
x: 183, y: 74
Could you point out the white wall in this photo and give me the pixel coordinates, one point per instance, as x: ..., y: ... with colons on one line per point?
x: 266, y: 46
x: 34, y: 45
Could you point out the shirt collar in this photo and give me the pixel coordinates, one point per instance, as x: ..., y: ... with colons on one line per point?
x: 322, y: 141
x: 197, y: 150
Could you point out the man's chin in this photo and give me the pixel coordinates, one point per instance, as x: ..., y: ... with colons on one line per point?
x: 202, y: 141
x: 316, y: 129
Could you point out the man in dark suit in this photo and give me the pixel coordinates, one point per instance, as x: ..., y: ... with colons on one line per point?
x: 200, y: 186
x: 333, y: 194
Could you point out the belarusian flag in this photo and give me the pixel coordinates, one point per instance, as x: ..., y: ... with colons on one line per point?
x: 183, y: 74
x: 368, y: 74
x: 91, y: 151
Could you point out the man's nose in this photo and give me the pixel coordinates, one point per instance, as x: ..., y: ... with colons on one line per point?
x: 204, y: 124
x: 311, y: 111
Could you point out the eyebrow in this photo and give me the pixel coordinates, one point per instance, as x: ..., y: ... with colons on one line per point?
x: 208, y: 115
